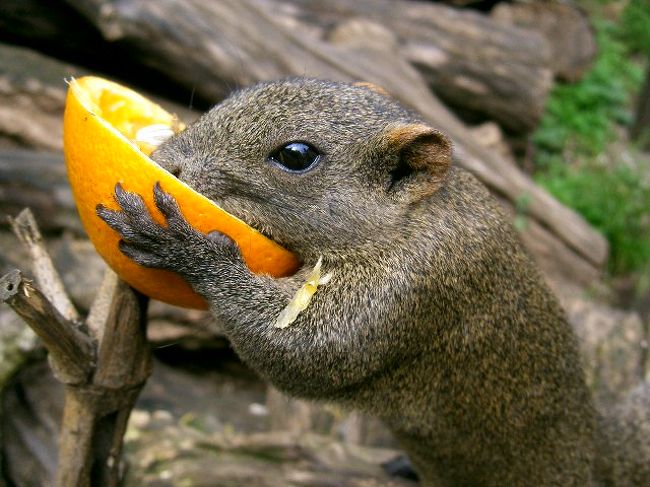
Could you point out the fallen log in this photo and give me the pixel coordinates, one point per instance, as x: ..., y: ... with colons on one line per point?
x: 31, y: 96
x: 480, y: 67
x: 565, y: 27
x: 38, y: 180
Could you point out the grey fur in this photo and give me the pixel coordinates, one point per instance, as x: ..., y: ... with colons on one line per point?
x: 435, y: 320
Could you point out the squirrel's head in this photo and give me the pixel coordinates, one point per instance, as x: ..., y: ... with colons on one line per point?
x: 323, y: 168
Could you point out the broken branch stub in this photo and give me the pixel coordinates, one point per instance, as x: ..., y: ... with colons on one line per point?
x: 71, y: 351
x: 25, y: 228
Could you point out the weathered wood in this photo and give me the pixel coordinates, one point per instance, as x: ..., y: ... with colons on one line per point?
x: 48, y: 279
x: 565, y: 27
x: 219, y: 45
x: 71, y: 351
x: 32, y: 93
x: 214, y: 46
x: 101, y: 306
x: 476, y: 65
x: 101, y: 392
x: 32, y: 98
x: 51, y: 27
x: 37, y: 179
x: 96, y: 414
x: 102, y: 377
x: 123, y: 357
x: 58, y: 32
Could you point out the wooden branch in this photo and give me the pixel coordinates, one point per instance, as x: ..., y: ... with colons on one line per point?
x: 103, y: 377
x: 101, y: 305
x: 90, y: 444
x: 71, y: 351
x: 47, y: 277
x: 123, y: 358
x: 96, y: 415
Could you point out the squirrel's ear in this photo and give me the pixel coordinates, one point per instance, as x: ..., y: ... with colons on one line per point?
x: 421, y: 155
x: 372, y: 87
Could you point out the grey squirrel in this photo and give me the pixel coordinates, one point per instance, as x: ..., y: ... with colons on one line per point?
x: 435, y: 319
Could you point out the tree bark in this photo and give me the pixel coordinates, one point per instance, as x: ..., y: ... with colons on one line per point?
x: 37, y: 179
x: 32, y: 92
x: 563, y: 25
x: 103, y: 366
x: 480, y: 67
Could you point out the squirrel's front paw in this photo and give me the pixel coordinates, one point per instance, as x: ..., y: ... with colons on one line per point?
x: 176, y: 247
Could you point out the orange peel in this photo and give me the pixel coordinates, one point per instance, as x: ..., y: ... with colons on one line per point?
x: 101, y: 121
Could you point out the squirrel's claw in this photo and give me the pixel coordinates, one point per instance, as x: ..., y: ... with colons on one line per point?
x: 174, y: 246
x: 143, y: 240
x: 117, y: 220
x: 168, y: 206
x: 134, y: 220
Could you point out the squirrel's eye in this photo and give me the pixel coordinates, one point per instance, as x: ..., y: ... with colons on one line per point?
x: 295, y: 156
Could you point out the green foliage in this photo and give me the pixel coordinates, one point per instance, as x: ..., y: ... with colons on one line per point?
x: 580, y: 118
x: 521, y: 206
x: 614, y: 200
x: 635, y: 22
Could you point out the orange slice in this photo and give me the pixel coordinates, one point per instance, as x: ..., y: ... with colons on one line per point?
x: 101, y: 121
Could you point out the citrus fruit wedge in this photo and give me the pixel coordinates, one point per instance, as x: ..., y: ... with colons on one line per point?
x: 100, y: 124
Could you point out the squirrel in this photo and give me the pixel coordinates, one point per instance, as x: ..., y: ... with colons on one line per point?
x: 435, y: 319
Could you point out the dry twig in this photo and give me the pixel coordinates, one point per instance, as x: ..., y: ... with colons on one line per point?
x: 103, y: 364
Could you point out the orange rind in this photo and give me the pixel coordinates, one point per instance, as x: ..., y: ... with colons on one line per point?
x: 102, y: 124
